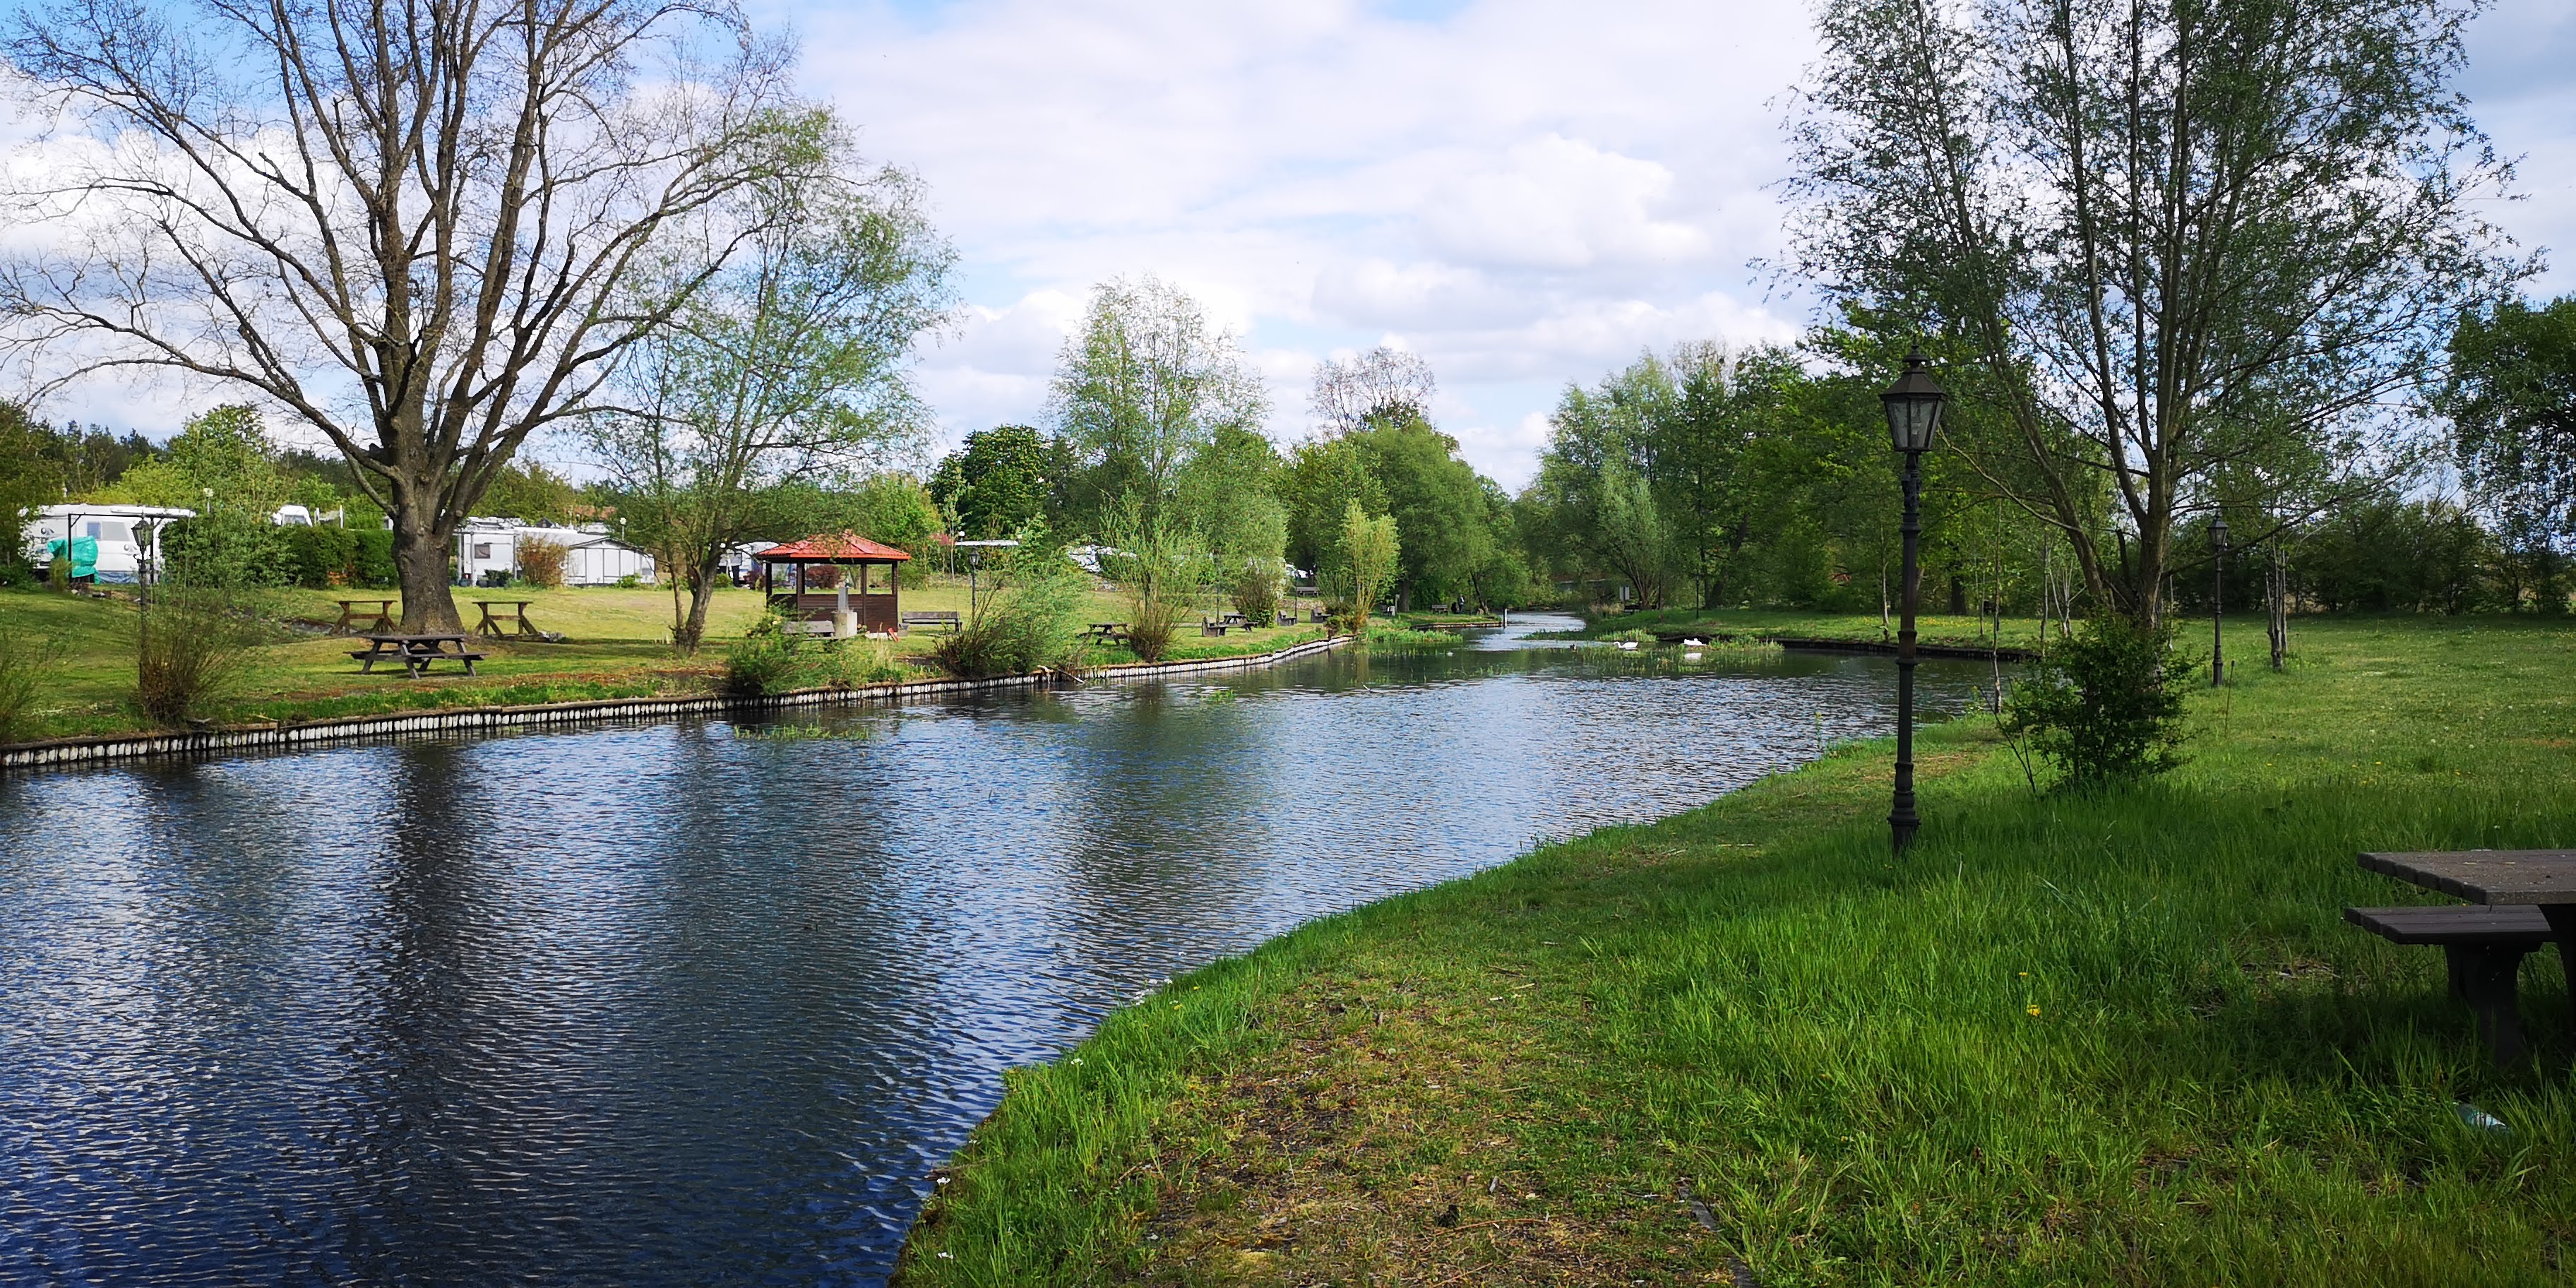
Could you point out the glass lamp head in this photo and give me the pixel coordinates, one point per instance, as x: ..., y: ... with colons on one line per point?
x: 1913, y: 406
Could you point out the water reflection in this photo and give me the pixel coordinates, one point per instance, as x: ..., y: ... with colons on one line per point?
x: 692, y: 1003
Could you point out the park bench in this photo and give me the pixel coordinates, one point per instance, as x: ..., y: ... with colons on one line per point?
x: 2484, y: 948
x: 415, y: 652
x: 947, y: 619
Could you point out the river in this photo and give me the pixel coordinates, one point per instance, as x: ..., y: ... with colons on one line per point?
x: 704, y: 1002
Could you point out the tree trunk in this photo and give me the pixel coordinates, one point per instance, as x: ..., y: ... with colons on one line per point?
x: 421, y: 569
x: 701, y: 581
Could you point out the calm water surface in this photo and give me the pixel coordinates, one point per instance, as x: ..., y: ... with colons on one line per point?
x: 694, y: 1003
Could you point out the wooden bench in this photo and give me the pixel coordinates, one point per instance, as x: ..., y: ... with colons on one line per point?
x: 415, y: 652
x: 1211, y: 628
x: 947, y: 619
x: 2484, y: 947
x: 1109, y: 632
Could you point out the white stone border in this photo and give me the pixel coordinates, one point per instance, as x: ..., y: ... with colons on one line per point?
x: 74, y: 751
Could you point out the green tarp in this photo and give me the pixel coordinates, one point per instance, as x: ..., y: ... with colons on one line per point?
x: 84, y: 555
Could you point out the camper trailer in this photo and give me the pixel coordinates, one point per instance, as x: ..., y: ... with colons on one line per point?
x: 107, y: 543
x: 486, y: 548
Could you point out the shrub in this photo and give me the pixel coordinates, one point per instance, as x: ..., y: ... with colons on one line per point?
x: 373, y: 562
x: 24, y: 662
x: 851, y: 664
x: 2106, y: 706
x: 1032, y: 620
x: 541, y: 562
x: 1256, y: 591
x: 763, y: 661
x: 321, y: 556
x: 192, y: 644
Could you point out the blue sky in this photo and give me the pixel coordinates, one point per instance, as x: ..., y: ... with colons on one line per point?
x: 1525, y: 192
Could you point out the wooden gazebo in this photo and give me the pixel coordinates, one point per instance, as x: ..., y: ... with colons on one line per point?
x: 871, y: 565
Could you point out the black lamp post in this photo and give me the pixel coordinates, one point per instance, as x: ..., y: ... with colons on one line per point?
x: 2218, y: 601
x: 1913, y: 413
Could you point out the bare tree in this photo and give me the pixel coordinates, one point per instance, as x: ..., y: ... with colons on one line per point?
x: 408, y: 226
x: 1381, y: 383
x: 2173, y: 247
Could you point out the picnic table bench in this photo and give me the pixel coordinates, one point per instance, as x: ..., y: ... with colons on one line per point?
x: 945, y: 618
x: 380, y: 617
x: 415, y: 652
x: 2525, y: 898
x: 498, y: 613
x: 1108, y: 632
x: 1207, y: 627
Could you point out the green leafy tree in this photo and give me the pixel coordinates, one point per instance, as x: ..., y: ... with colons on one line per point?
x: 528, y: 491
x: 1000, y: 480
x: 2511, y: 400
x: 2149, y: 241
x: 1372, y: 552
x: 1140, y: 392
x: 783, y: 364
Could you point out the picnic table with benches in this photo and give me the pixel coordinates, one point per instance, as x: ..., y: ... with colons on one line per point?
x: 380, y: 617
x: 1108, y: 632
x: 415, y: 652
x: 2518, y: 901
x: 1207, y: 627
x: 498, y: 613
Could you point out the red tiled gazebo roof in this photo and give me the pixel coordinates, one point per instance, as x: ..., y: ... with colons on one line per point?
x: 833, y: 547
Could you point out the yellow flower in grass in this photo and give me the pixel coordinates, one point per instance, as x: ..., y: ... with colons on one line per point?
x: 2034, y: 1012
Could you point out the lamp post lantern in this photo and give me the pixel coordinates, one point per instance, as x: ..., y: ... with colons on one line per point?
x: 2218, y: 601
x: 1913, y: 413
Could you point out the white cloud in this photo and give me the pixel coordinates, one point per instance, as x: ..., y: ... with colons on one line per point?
x: 1560, y: 203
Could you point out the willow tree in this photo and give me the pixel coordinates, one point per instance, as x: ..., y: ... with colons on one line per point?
x: 2159, y: 241
x: 409, y: 227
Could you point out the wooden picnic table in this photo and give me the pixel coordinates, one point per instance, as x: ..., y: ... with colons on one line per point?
x: 415, y: 652
x: 1113, y: 632
x: 512, y: 612
x: 2545, y: 879
x: 380, y: 617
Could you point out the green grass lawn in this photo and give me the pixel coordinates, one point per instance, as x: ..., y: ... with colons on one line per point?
x: 616, y: 644
x: 2122, y: 1039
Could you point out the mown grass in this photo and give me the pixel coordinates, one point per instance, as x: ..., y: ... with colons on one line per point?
x: 2121, y: 1039
x: 615, y: 645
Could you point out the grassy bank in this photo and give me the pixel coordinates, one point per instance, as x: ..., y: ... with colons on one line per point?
x: 2122, y: 1040
x: 1930, y: 628
x: 615, y: 645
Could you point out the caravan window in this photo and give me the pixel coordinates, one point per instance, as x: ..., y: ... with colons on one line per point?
x: 482, y: 549
x: 114, y: 531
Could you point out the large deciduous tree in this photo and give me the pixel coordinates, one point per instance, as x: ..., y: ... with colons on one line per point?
x: 783, y: 361
x: 1140, y: 392
x: 2153, y: 239
x: 411, y: 227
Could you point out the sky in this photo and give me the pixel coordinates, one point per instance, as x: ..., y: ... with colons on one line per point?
x: 1527, y: 193
x: 1524, y: 192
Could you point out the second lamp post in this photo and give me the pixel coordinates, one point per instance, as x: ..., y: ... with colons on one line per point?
x: 2218, y: 602
x: 1913, y: 413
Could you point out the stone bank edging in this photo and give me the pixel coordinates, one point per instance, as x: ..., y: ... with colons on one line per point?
x: 73, y: 751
